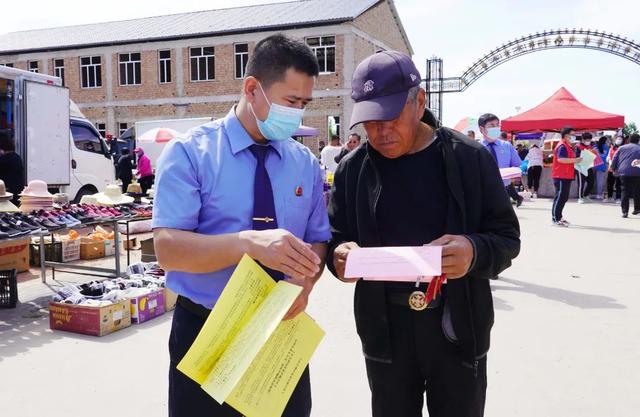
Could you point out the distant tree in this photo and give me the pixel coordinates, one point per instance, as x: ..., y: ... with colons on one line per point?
x: 630, y: 128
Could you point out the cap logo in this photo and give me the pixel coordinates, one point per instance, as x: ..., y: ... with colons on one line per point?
x: 368, y: 86
x: 413, y: 77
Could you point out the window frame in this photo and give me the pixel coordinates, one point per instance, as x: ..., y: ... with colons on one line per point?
x: 120, y: 129
x: 7, y: 64
x: 96, y: 68
x: 101, y: 145
x: 103, y: 131
x: 167, y: 67
x: 126, y: 64
x: 198, y: 57
x: 244, y: 58
x: 37, y: 69
x: 325, y: 47
x: 56, y: 68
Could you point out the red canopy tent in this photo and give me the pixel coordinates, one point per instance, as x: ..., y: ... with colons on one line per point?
x: 560, y: 110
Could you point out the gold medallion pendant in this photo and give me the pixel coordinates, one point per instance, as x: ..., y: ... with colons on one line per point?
x: 417, y: 301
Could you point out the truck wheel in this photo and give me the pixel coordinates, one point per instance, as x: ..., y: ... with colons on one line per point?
x: 90, y: 190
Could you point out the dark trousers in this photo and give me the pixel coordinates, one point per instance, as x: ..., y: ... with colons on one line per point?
x: 187, y: 399
x: 146, y: 183
x: 586, y: 182
x: 424, y: 361
x: 511, y: 190
x: 562, y: 196
x: 125, y: 184
x: 630, y: 190
x: 533, y: 178
x: 613, y: 183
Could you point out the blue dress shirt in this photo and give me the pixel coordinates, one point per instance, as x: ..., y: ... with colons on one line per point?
x: 204, y: 184
x: 507, y: 155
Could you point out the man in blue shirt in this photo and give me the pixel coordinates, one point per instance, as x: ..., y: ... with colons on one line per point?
x: 240, y: 185
x: 503, y: 152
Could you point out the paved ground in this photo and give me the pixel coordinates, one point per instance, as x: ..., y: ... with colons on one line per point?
x: 565, y: 343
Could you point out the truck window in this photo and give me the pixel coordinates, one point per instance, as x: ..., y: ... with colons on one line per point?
x: 7, y: 119
x: 86, y: 139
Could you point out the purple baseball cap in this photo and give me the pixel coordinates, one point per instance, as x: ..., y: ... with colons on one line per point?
x: 380, y: 86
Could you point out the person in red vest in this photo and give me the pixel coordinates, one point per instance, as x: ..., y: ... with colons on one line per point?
x: 564, y: 158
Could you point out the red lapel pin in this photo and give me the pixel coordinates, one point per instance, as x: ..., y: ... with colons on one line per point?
x: 298, y: 191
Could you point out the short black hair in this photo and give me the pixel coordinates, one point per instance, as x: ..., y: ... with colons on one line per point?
x: 634, y: 138
x: 335, y: 137
x: 504, y: 136
x: 356, y: 135
x: 566, y: 130
x: 274, y: 55
x: 7, y: 143
x: 587, y: 135
x: 486, y: 118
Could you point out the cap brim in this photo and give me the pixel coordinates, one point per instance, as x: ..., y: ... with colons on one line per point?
x: 379, y: 109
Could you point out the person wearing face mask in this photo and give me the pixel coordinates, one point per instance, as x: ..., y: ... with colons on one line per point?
x: 562, y: 172
x: 240, y: 185
x: 502, y: 151
x: 625, y: 165
x: 614, y: 187
x: 585, y: 182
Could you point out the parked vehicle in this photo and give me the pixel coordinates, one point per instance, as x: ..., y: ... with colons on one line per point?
x: 55, y: 140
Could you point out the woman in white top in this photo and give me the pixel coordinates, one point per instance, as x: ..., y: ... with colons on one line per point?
x: 534, y: 170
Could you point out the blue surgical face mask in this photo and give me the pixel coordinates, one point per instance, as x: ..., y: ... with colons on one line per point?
x: 493, y: 133
x: 281, y: 121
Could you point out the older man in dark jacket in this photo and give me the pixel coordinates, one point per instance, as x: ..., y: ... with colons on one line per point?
x: 411, y: 185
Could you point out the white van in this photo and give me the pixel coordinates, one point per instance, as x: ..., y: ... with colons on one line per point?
x: 55, y: 140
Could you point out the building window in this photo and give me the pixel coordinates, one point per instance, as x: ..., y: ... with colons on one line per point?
x: 33, y: 66
x: 242, y: 57
x: 164, y: 65
x: 7, y: 64
x: 333, y: 127
x: 325, y: 49
x: 122, y: 127
x: 202, y: 63
x: 102, y: 129
x: 91, y: 71
x: 130, y: 69
x: 58, y: 69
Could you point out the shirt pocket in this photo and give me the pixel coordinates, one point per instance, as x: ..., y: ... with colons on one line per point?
x: 297, y: 212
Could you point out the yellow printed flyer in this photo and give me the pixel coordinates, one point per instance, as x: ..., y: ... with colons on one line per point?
x: 245, y: 355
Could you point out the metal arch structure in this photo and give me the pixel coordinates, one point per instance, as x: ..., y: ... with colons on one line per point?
x: 436, y: 85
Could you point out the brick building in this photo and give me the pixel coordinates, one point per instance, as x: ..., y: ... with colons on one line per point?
x: 192, y: 64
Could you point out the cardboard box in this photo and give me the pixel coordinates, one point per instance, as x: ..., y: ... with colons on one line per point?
x: 148, y: 250
x: 148, y: 306
x: 109, y: 247
x: 14, y: 254
x: 91, y: 249
x: 94, y: 321
x: 170, y: 300
x: 130, y: 243
x: 70, y: 250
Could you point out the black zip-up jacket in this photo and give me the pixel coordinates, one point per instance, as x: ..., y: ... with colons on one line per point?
x: 479, y: 208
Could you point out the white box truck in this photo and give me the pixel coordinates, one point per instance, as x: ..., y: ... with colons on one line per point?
x: 55, y: 140
x: 153, y: 149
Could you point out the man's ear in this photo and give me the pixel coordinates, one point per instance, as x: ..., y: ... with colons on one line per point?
x: 249, y: 86
x: 422, y: 102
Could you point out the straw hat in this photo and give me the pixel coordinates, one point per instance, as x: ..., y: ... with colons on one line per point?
x: 61, y: 198
x: 134, y: 188
x: 7, y: 206
x: 36, y: 188
x: 113, y: 196
x: 89, y: 199
x: 4, y: 195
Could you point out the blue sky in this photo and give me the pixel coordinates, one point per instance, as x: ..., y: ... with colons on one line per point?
x: 459, y: 31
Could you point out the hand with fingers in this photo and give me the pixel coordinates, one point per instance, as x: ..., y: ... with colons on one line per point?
x: 301, y: 302
x: 280, y: 250
x: 457, y: 255
x: 340, y: 260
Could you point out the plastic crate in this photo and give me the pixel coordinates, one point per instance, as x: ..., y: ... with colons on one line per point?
x: 8, y: 288
x: 52, y: 253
